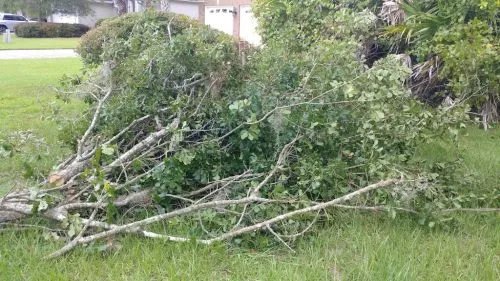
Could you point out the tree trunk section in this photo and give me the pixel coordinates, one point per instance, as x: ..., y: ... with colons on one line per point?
x: 121, y: 5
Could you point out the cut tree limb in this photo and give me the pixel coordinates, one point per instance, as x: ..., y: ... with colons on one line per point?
x: 317, y: 207
x: 144, y: 144
x: 194, y: 208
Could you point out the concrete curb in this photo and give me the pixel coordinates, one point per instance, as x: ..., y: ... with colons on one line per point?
x: 37, y: 54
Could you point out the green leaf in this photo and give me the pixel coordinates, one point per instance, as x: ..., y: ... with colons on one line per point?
x: 392, y: 213
x: 107, y: 150
x: 186, y: 156
x: 286, y: 111
x: 29, y: 171
x: 71, y: 231
x: 43, y: 205
x: 234, y: 106
x: 378, y: 115
x: 244, y: 134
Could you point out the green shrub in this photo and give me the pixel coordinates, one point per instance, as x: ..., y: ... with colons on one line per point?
x: 298, y: 24
x: 471, y: 55
x: 100, y: 21
x: 113, y: 29
x: 50, y: 30
x: 135, y: 42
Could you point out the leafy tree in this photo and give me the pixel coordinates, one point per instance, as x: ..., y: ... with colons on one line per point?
x: 45, y: 8
x: 300, y: 24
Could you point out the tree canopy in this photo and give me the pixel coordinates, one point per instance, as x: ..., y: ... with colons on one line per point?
x: 45, y: 8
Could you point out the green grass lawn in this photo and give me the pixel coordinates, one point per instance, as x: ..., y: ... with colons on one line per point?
x: 27, y: 101
x: 480, y: 151
x: 353, y: 246
x: 39, y: 43
x: 356, y: 247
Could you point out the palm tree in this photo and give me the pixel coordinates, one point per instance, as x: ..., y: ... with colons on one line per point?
x: 415, y: 24
x: 412, y: 23
x: 412, y: 20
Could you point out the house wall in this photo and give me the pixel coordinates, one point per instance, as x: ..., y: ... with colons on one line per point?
x: 60, y: 18
x: 234, y: 3
x: 249, y: 26
x: 101, y: 10
x: 134, y: 6
x: 189, y: 8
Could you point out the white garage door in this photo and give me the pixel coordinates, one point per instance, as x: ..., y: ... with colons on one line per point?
x: 60, y: 18
x: 188, y: 9
x: 248, y: 26
x: 220, y: 17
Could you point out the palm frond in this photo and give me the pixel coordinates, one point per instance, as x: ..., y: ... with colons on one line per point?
x: 400, y: 31
x: 411, y: 20
x: 392, y: 13
x: 426, y: 81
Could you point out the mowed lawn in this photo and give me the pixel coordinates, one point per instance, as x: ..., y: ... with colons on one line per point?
x: 27, y: 104
x: 351, y: 247
x: 355, y: 247
x: 39, y: 43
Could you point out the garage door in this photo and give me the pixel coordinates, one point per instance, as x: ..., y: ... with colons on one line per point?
x: 188, y: 9
x: 220, y: 17
x: 248, y: 26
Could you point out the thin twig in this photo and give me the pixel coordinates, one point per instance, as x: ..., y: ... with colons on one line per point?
x: 281, y: 158
x: 92, y: 125
x: 279, y: 238
x: 472, y: 210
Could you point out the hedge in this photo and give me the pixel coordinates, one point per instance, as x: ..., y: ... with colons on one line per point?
x: 91, y: 44
x: 50, y: 30
x: 100, y: 21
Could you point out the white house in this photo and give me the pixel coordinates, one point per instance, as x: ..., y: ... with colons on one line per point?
x: 234, y: 17
x: 106, y: 9
x: 190, y: 8
x: 100, y: 9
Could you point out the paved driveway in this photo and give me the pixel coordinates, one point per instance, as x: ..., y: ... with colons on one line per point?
x: 37, y: 54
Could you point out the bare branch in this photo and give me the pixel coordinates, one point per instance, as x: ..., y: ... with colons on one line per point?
x: 194, y: 208
x: 144, y: 144
x: 281, y: 158
x: 92, y: 125
x: 126, y: 129
x: 214, y: 184
x: 74, y: 242
x: 317, y: 207
x: 471, y: 210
